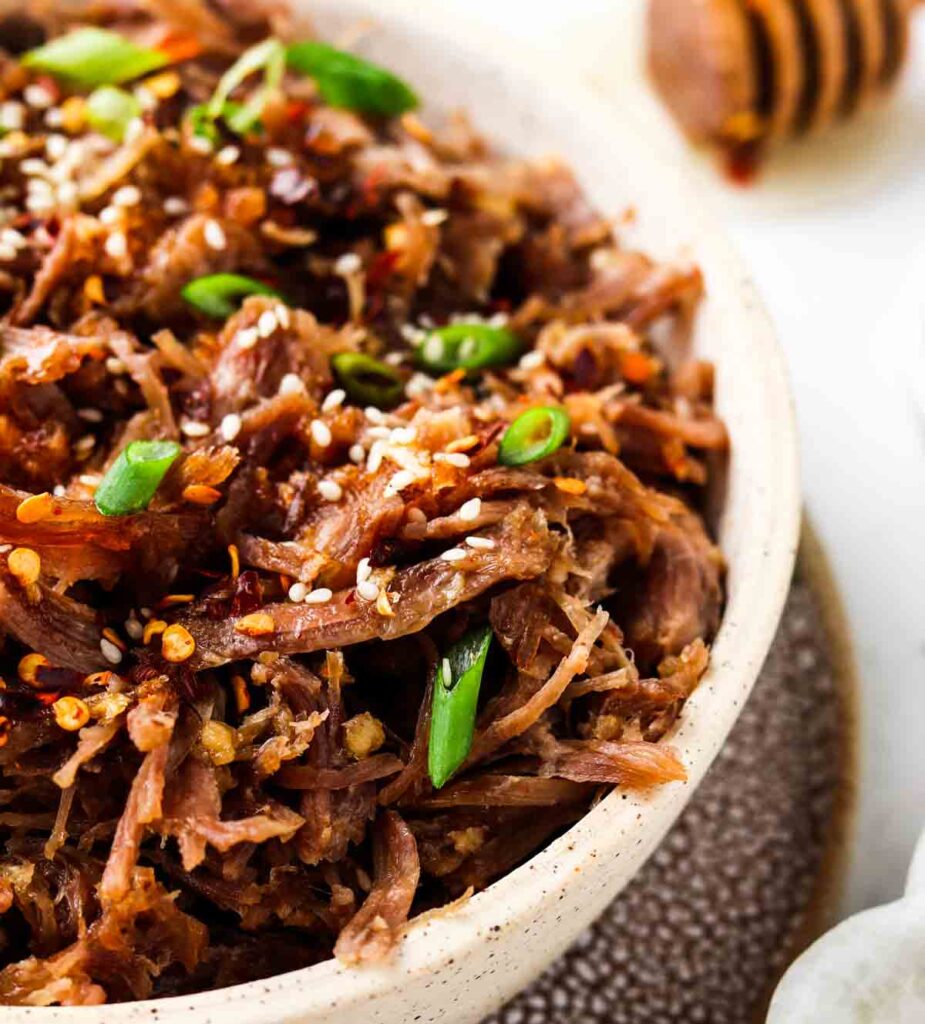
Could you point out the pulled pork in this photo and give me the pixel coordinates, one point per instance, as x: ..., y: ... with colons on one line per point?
x: 216, y: 711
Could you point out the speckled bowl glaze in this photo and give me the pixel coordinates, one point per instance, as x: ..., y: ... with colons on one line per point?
x: 459, y: 965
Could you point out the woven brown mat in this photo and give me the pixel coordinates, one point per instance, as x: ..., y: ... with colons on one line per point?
x: 743, y: 880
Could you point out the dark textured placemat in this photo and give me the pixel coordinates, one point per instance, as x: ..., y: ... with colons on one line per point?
x: 741, y: 882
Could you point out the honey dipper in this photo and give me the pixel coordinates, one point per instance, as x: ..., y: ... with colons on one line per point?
x: 740, y: 74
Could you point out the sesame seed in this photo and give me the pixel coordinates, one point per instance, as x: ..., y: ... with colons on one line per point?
x: 458, y: 459
x: 214, y: 235
x: 10, y: 236
x: 394, y: 358
x: 7, y: 253
x: 194, y: 428
x: 374, y: 415
x: 54, y: 117
x: 298, y: 592
x: 419, y: 385
x: 292, y: 384
x: 283, y: 315
x: 128, y: 195
x: 85, y: 443
x: 56, y: 146
x: 134, y: 130
x: 376, y: 455
x: 431, y: 218
x: 37, y: 96
x: 40, y: 204
x: 133, y: 627
x: 349, y: 263
x: 368, y: 590
x: 90, y: 479
x: 116, y: 245
x: 59, y: 490
x: 357, y: 453
x: 531, y: 360
x: 499, y: 319
x: 33, y: 165
x: 230, y: 426
x: 321, y: 433
x: 413, y: 335
x: 483, y: 543
x: 247, y: 337
x: 110, y: 215
x: 447, y: 671
x: 453, y: 555
x: 379, y: 433
x: 12, y: 116
x: 68, y: 193
x: 278, y: 157
x: 320, y: 596
x: 470, y: 510
x: 267, y: 323
x: 227, y: 155
x: 200, y: 144
x: 110, y: 652
x: 115, y: 366
x: 399, y: 481
x: 333, y: 400
x: 364, y: 570
x: 403, y: 435
x: 175, y: 206
x: 330, y: 490
x: 416, y: 515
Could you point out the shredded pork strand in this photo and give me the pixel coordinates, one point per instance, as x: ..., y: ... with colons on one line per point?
x: 215, y: 712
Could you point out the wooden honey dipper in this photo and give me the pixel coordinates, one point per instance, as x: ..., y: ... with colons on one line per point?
x: 741, y: 74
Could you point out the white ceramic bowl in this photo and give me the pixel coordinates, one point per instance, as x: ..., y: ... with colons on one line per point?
x: 460, y: 965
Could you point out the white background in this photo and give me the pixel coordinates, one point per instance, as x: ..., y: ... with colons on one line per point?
x: 835, y: 236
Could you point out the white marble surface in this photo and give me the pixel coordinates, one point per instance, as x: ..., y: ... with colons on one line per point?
x: 835, y: 236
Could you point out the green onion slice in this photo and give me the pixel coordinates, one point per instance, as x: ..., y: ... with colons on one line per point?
x: 367, y: 381
x: 219, y: 295
x: 130, y: 482
x: 268, y: 57
x: 470, y: 346
x: 94, y: 56
x: 110, y: 109
x: 348, y: 81
x: 535, y: 434
x: 456, y: 696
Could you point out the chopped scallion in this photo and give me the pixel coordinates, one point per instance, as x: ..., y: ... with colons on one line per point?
x: 456, y: 697
x: 93, y: 56
x: 345, y: 80
x: 130, y: 482
x: 110, y: 110
x: 535, y: 434
x: 366, y: 380
x: 469, y: 346
x: 267, y: 57
x: 219, y: 295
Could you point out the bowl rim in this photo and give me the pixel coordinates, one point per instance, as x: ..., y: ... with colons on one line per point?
x: 433, y: 941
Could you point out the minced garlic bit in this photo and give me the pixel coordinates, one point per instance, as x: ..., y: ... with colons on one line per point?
x: 235, y: 558
x: 152, y: 629
x: 35, y: 508
x: 384, y: 606
x: 218, y: 741
x: 363, y: 735
x: 201, y: 494
x: 25, y: 564
x: 71, y: 713
x: 242, y: 696
x: 255, y: 624
x: 570, y: 485
x: 28, y: 667
x: 177, y: 644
